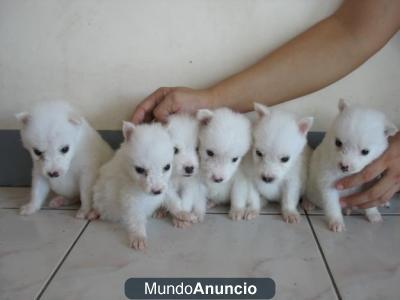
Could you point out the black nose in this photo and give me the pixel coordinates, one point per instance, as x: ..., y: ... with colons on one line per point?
x: 344, y: 168
x: 217, y: 179
x: 53, y: 174
x: 267, y: 179
x: 156, y: 192
x: 189, y: 170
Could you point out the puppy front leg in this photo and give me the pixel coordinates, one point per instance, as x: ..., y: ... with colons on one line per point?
x: 200, y: 203
x: 173, y: 203
x: 333, y: 210
x: 181, y: 218
x: 290, y: 199
x: 238, y: 199
x: 85, y: 191
x: 199, y: 209
x: 254, y: 205
x: 373, y: 215
x: 136, y: 227
x: 39, y: 192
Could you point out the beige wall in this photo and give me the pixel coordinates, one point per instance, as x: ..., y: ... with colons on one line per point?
x: 104, y: 56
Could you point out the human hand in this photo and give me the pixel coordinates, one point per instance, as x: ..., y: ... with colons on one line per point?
x: 169, y: 100
x: 388, y: 164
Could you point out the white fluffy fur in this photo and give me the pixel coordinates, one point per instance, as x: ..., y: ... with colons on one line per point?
x: 277, y: 136
x: 48, y: 128
x: 224, y: 139
x: 124, y: 192
x: 357, y: 128
x: 186, y: 197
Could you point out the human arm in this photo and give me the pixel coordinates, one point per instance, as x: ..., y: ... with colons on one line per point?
x: 314, y: 59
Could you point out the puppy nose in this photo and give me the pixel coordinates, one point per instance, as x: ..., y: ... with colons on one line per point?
x: 156, y: 192
x: 217, y: 179
x: 53, y: 174
x: 267, y: 179
x: 343, y: 167
x: 189, y: 169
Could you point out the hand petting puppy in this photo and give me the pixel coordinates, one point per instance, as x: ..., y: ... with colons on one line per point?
x: 387, y: 165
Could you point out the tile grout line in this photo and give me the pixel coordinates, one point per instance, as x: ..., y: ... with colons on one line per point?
x: 339, y: 296
x: 47, y: 283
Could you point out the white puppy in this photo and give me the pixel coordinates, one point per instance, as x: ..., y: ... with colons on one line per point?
x: 66, y: 154
x: 224, y: 138
x: 186, y: 197
x: 277, y: 166
x: 132, y: 185
x: 357, y: 136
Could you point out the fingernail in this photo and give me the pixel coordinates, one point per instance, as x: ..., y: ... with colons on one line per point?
x: 339, y: 186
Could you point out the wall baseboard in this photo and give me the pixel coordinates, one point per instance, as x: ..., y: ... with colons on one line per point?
x: 16, y: 164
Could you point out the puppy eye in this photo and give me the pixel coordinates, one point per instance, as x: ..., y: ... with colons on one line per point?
x: 64, y: 149
x: 259, y: 154
x: 364, y: 151
x: 140, y: 170
x: 167, y: 167
x: 285, y: 159
x: 338, y: 143
x: 235, y: 159
x: 176, y: 150
x: 37, y: 152
x: 210, y: 153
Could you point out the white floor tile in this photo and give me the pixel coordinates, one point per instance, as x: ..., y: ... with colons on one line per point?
x: 14, y: 197
x: 101, y: 261
x: 364, y: 260
x: 30, y: 249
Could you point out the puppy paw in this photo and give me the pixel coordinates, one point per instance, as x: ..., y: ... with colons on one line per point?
x: 93, y: 215
x: 178, y: 223
x: 198, y: 218
x: 307, y: 205
x: 28, y: 209
x: 81, y: 214
x: 160, y: 213
x: 251, y: 214
x: 348, y: 211
x: 185, y: 216
x: 57, y: 202
x: 292, y: 217
x: 336, y: 226
x: 137, y: 242
x: 374, y: 217
x: 237, y: 214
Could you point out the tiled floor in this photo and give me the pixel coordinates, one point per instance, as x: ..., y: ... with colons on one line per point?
x: 52, y: 255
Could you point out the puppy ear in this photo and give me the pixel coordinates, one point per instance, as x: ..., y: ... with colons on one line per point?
x: 75, y: 119
x: 204, y: 116
x: 23, y: 118
x: 343, y: 104
x: 390, y: 129
x: 305, y: 125
x: 261, y: 110
x: 127, y: 129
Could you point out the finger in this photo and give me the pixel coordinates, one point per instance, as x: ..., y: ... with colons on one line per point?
x: 138, y: 115
x: 144, y: 109
x: 367, y: 174
x: 370, y: 195
x: 383, y: 199
x: 166, y: 108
